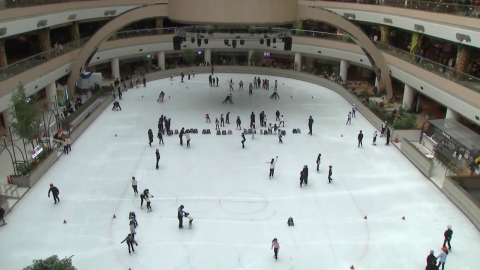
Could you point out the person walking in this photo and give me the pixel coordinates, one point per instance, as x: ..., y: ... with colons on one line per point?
x: 130, y: 241
x: 310, y: 125
x: 157, y: 154
x: 272, y: 167
x: 318, y: 162
x: 180, y: 215
x: 275, y: 247
x: 55, y: 192
x: 134, y: 186
x: 448, y: 237
x: 360, y: 138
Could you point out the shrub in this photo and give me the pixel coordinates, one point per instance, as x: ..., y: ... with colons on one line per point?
x: 52, y: 263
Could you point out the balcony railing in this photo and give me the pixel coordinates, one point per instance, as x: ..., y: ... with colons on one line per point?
x: 432, y: 6
x: 4, y: 4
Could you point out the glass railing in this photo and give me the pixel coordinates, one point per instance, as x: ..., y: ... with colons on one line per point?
x: 4, y: 4
x: 31, y: 62
x: 322, y: 35
x: 432, y: 6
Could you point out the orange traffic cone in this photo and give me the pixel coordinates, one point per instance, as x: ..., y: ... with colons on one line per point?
x: 396, y: 139
x: 365, y: 217
x: 114, y: 216
x: 64, y: 222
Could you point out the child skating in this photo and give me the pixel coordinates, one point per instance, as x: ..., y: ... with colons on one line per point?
x: 275, y: 247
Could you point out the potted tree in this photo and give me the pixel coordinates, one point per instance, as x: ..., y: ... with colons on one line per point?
x: 188, y: 57
x: 255, y: 58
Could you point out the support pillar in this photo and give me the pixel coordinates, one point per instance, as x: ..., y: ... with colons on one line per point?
x: 451, y: 114
x: 376, y: 82
x: 51, y: 91
x: 75, y: 31
x: 3, y: 55
x: 463, y: 57
x: 159, y: 25
x: 298, y: 62
x: 161, y: 60
x: 115, y: 68
x: 250, y: 52
x: 343, y: 70
x: 408, y: 96
x: 385, y: 34
x: 208, y: 56
x: 44, y: 40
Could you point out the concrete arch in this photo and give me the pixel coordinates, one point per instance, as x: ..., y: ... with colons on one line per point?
x: 89, y: 49
x: 376, y: 57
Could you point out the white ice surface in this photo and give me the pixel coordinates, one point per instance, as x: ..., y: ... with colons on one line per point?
x: 237, y: 210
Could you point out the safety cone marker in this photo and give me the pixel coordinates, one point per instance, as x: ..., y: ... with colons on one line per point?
x: 365, y: 217
x: 396, y: 139
x: 351, y: 267
x: 115, y: 135
x: 64, y: 222
x: 403, y: 217
x: 341, y: 135
x: 114, y: 216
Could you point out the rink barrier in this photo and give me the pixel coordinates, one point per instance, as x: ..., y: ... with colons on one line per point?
x: 423, y: 163
x: 462, y: 199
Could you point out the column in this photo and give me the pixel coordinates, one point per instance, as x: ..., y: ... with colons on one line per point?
x: 161, y: 60
x: 451, y: 114
x: 376, y: 82
x: 159, y: 25
x: 385, y: 34
x: 343, y: 70
x: 250, y: 52
x: 51, y: 90
x: 298, y: 62
x: 463, y: 57
x: 44, y: 40
x: 208, y: 56
x: 115, y: 68
x: 75, y: 31
x: 3, y: 55
x: 408, y: 95
x: 416, y: 43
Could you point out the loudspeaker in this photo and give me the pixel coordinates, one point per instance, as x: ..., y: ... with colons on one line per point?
x: 242, y: 42
x: 177, y: 43
x: 199, y: 42
x: 234, y: 43
x: 287, y: 44
x: 262, y: 41
x: 268, y: 42
x: 205, y: 41
x: 193, y: 40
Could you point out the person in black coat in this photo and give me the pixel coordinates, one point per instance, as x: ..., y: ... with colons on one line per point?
x: 130, y: 241
x: 252, y: 119
x: 180, y: 215
x: 227, y: 118
x: 360, y: 138
x: 119, y: 92
x: 243, y: 140
x: 262, y: 116
x: 277, y: 114
x: 305, y: 174
x: 239, y: 123
x: 182, y: 131
x: 310, y: 125
x: 448, y: 236
x: 330, y: 173
x: 431, y: 260
x: 302, y: 178
x: 157, y: 155
x: 55, y: 192
x: 388, y: 135
x: 150, y: 137
x: 144, y: 81
x: 168, y: 122
x: 222, y: 120
x: 318, y: 162
x: 2, y: 215
x: 160, y: 137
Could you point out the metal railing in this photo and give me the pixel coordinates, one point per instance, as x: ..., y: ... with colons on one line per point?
x: 4, y: 4
x: 432, y: 6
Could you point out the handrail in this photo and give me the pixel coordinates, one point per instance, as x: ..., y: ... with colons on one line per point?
x: 449, y: 73
x: 433, y: 6
x: 4, y: 4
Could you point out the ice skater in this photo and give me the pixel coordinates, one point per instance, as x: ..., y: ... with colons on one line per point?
x: 231, y: 84
x: 290, y: 222
x: 243, y: 140
x: 188, y: 138
x: 182, y: 131
x: 354, y: 109
x: 137, y: 82
x: 310, y: 125
x: 330, y: 173
x: 442, y: 258
x: 147, y: 199
x: 55, y: 192
x: 130, y: 241
x: 387, y: 135
x: 431, y: 261
x: 282, y: 121
x: 250, y: 90
x: 180, y: 215
x: 384, y: 126
x: 302, y: 178
x: 272, y: 167
x: 134, y: 186
x: 150, y: 137
x: 277, y: 115
x: 305, y: 174
x: 2, y: 216
x: 448, y: 234
x: 133, y: 217
x: 132, y: 226
x: 228, y: 99
x: 240, y: 86
x: 217, y: 124
x: 275, y: 247
x: 190, y: 220
x: 319, y: 157
x: 360, y: 138
x: 144, y: 81
x: 160, y: 137
x: 227, y: 118
x: 374, y: 138
x: 349, y: 118
x: 157, y: 155
x: 222, y: 121
x: 207, y: 118
x: 116, y: 106
x: 262, y: 116
x: 239, y: 123
x: 253, y: 131
x: 280, y: 135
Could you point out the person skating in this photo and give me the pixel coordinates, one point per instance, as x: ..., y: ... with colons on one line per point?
x: 276, y: 248
x: 239, y: 123
x: 253, y: 131
x: 190, y: 220
x: 243, y: 140
x: 65, y: 147
x: 180, y: 215
x: 448, y: 234
x: 227, y: 118
x: 119, y: 93
x: 272, y: 167
x: 2, y: 216
x: 55, y: 192
x: 168, y: 122
x: 252, y: 119
x: 207, y: 118
x: 360, y: 138
x: 275, y: 87
x: 210, y: 80
x: 222, y: 120
x: 330, y: 173
x: 231, y: 84
x: 182, y: 131
x: 290, y: 222
x: 305, y: 174
x: 157, y: 155
x: 133, y: 217
x: 354, y: 109
x: 277, y: 114
x: 384, y: 126
x: 69, y: 143
x: 374, y: 138
x: 144, y: 81
x: 160, y: 137
x: 150, y: 137
x: 262, y: 116
x: 240, y: 86
x: 147, y: 199
x: 302, y: 178
x: 142, y: 198
x: 217, y: 81
x: 217, y: 124
x: 280, y: 136
x: 130, y: 241
x: 442, y: 258
x: 134, y: 186
x: 310, y: 125
x: 318, y: 162
x: 131, y: 225
x: 188, y: 138
x: 116, y: 105
x: 228, y: 99
x: 387, y: 131
x: 431, y: 260
x: 250, y: 90
x: 137, y: 82
x: 349, y: 118
x: 282, y: 121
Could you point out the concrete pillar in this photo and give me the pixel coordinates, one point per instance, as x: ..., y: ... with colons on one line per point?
x: 385, y: 34
x: 75, y: 31
x: 298, y: 61
x: 343, y: 70
x: 161, y: 60
x: 250, y: 52
x: 208, y: 56
x: 451, y: 114
x: 115, y: 68
x: 463, y: 57
x: 408, y: 95
x: 159, y: 25
x: 376, y: 82
x: 51, y: 90
x: 44, y: 40
x: 3, y: 55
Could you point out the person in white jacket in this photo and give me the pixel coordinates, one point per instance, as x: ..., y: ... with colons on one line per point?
x: 187, y: 136
x: 272, y: 167
x: 442, y: 258
x: 282, y: 121
x: 69, y: 144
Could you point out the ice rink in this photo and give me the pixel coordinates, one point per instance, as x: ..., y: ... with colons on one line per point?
x: 237, y: 210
